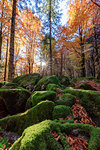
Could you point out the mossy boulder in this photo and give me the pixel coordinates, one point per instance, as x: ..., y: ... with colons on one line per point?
x: 61, y: 111
x: 3, y: 83
x: 67, y: 99
x: 28, y: 80
x: 52, y: 87
x: 89, y: 99
x: 3, y: 111
x: 64, y: 80
x: 38, y: 113
x: 11, y: 86
x: 39, y: 96
x: 86, y: 86
x: 14, y: 99
x: 40, y: 137
x: 42, y: 84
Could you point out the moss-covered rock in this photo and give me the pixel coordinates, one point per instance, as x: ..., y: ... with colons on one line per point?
x: 28, y: 80
x: 74, y: 80
x: 67, y: 99
x: 3, y: 111
x: 61, y: 111
x: 64, y: 80
x: 42, y: 84
x: 11, y: 86
x: 90, y: 100
x: 14, y: 99
x: 86, y: 86
x: 52, y: 87
x: 38, y: 113
x: 39, y: 96
x: 40, y: 137
x: 3, y: 83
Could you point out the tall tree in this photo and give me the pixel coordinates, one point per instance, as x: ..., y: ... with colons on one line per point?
x: 2, y: 12
x: 48, y: 11
x: 11, y: 50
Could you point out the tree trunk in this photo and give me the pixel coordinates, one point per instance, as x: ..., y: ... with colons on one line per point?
x: 5, y: 72
x: 0, y: 40
x: 29, y: 67
x: 82, y: 53
x: 96, y: 56
x: 61, y: 63
x: 50, y: 38
x: 1, y: 29
x: 11, y: 50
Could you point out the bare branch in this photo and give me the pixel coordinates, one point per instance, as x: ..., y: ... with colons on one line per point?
x: 95, y: 3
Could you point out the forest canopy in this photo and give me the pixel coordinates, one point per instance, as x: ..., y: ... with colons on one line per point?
x: 33, y: 39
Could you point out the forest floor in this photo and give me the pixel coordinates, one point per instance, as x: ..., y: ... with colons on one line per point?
x: 79, y: 115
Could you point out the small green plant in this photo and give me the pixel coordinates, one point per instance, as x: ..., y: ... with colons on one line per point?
x: 4, y: 143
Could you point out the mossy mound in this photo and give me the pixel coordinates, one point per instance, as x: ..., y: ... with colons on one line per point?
x: 64, y: 80
x: 38, y: 113
x: 86, y: 86
x: 67, y: 99
x: 40, y: 137
x: 39, y: 96
x: 52, y: 87
x: 42, y: 84
x: 74, y: 80
x: 61, y: 111
x: 27, y: 80
x: 90, y: 100
x: 11, y: 86
x: 14, y: 99
x: 3, y: 83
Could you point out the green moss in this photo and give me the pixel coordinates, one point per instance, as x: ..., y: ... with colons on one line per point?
x: 61, y: 111
x: 64, y: 121
x: 42, y: 84
x: 14, y: 99
x: 64, y: 80
x: 38, y: 113
x: 4, y: 143
x: 11, y: 86
x: 3, y: 83
x: 90, y: 100
x: 39, y: 136
x: 86, y: 86
x: 66, y: 99
x: 39, y: 96
x: 26, y: 80
x: 52, y: 87
x: 74, y: 80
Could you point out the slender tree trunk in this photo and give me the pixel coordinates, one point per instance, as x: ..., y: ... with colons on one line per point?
x: 61, y: 63
x: 29, y: 67
x: 50, y: 38
x: 1, y: 29
x: 5, y: 72
x: 93, y: 64
x: 82, y: 53
x: 11, y: 50
x: 96, y: 56
x: 0, y: 40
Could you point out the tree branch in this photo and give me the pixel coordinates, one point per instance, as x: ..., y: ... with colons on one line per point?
x: 95, y: 3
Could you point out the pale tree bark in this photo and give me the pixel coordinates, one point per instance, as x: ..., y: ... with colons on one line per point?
x: 11, y: 50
